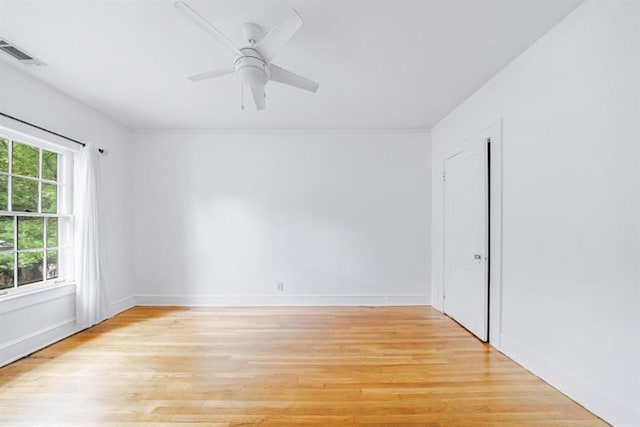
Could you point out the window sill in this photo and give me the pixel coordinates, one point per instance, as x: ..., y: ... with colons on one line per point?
x: 17, y: 300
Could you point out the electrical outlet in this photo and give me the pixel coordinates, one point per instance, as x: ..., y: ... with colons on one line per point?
x: 280, y: 286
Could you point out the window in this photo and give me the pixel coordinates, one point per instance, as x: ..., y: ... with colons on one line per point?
x: 31, y: 201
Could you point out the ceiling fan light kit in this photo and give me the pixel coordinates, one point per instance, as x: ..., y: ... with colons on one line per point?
x: 253, y: 67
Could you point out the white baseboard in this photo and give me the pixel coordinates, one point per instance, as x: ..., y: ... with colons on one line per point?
x: 121, y: 305
x: 25, y: 345
x: 281, y: 300
x: 596, y: 399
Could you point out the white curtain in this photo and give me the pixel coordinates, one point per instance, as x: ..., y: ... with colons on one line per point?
x: 90, y: 301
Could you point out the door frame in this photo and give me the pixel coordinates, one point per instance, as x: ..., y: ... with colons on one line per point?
x: 492, y: 133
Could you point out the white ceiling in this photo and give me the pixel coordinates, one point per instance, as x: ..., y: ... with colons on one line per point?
x: 380, y: 64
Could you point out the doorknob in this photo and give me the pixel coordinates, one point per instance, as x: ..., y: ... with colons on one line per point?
x: 477, y: 256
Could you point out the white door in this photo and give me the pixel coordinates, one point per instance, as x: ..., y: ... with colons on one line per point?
x: 466, y: 286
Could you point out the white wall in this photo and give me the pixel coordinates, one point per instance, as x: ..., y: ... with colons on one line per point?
x: 41, y: 318
x: 339, y: 218
x: 571, y: 205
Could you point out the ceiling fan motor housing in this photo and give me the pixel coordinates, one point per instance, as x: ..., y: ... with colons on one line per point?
x: 251, y: 69
x: 252, y: 33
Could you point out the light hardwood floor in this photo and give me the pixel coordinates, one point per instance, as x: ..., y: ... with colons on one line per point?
x: 403, y: 366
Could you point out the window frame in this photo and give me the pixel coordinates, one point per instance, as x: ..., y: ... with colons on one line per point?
x: 64, y: 214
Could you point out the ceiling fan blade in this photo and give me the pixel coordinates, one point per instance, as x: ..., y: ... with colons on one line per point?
x: 211, y: 74
x: 258, y: 97
x: 279, y: 74
x: 208, y: 27
x: 270, y: 45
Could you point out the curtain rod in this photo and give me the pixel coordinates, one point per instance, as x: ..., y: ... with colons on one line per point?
x: 100, y: 150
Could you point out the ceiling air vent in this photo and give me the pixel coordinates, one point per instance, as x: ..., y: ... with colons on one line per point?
x: 9, y: 48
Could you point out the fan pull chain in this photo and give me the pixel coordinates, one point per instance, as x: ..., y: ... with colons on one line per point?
x: 241, y: 96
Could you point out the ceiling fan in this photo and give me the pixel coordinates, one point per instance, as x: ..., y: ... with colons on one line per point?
x: 253, y: 66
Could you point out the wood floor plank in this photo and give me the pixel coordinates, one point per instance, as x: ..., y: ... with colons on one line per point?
x: 278, y: 366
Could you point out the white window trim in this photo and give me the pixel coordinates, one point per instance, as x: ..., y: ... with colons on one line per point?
x: 22, y: 132
x: 65, y: 206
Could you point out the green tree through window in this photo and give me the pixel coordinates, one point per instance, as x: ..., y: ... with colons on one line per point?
x: 29, y: 223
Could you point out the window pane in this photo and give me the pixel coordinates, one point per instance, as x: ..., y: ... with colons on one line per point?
x: 6, y: 270
x: 52, y: 232
x: 30, y: 233
x: 30, y: 267
x: 49, y: 198
x: 49, y: 165
x: 4, y: 192
x: 26, y: 160
x: 4, y: 154
x: 52, y: 264
x: 6, y: 233
x: 24, y: 195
